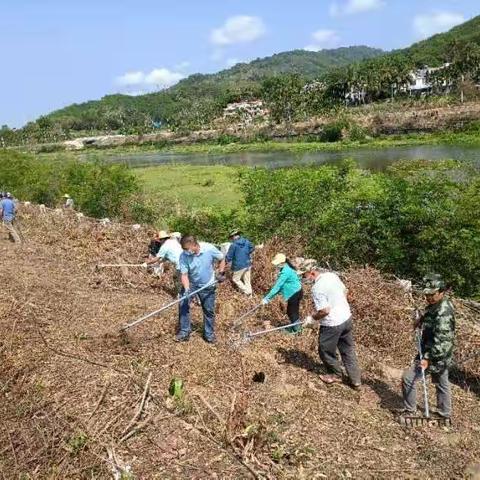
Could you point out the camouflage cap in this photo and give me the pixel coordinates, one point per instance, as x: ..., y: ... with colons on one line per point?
x: 433, y: 283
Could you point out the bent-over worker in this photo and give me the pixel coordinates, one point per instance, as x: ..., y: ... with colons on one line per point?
x: 288, y: 284
x: 336, y: 326
x: 169, y: 251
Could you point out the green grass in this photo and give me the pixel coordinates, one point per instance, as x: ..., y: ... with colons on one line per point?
x: 193, y: 187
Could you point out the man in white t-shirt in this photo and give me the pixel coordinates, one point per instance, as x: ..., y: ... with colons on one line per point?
x: 336, y: 327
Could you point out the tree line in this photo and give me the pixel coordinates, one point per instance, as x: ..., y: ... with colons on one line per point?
x: 289, y: 97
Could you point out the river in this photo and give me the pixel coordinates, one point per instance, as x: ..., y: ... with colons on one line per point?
x: 368, y: 158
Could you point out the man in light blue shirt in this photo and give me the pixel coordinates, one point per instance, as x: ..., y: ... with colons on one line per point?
x: 8, y: 212
x: 197, y: 268
x: 170, y: 251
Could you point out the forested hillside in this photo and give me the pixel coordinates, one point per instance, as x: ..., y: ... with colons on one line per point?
x: 279, y: 80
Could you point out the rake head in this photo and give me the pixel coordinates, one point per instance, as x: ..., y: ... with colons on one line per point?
x: 412, y: 421
x: 238, y: 342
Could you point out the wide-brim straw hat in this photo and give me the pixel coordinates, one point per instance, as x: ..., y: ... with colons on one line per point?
x: 279, y: 259
x: 162, y: 234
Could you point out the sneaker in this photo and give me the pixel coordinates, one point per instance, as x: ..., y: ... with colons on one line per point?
x: 211, y: 340
x: 181, y: 337
x: 294, y: 330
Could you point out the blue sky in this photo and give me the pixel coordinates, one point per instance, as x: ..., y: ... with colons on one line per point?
x: 57, y: 52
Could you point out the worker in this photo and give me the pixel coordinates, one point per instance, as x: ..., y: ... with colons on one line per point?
x: 437, y: 325
x: 197, y: 268
x: 69, y: 203
x: 288, y: 284
x: 239, y: 255
x: 8, y: 213
x: 336, y: 327
x: 169, y: 251
x: 154, y: 246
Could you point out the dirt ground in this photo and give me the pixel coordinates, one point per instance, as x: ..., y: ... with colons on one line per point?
x: 79, y: 400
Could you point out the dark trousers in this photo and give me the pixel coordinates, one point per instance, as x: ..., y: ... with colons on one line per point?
x: 207, y: 300
x: 293, y: 309
x: 341, y: 337
x: 442, y: 385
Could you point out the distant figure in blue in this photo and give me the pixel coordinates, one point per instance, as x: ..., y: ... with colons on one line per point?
x: 239, y: 255
x: 8, y: 213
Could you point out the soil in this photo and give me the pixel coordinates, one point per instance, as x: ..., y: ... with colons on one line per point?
x: 80, y: 400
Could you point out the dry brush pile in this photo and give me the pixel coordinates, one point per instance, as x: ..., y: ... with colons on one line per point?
x: 79, y: 400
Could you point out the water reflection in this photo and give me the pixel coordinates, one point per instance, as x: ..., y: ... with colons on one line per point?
x: 370, y: 159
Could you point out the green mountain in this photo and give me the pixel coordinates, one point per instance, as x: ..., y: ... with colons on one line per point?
x: 202, y: 95
x: 435, y: 50
x: 196, y: 100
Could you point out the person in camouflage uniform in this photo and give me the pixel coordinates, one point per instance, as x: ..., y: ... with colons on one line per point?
x: 438, y: 334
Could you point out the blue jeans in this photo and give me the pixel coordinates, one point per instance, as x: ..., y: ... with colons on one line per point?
x: 207, y: 300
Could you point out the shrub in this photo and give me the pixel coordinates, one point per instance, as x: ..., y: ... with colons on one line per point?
x: 99, y: 189
x: 412, y: 219
x: 332, y: 132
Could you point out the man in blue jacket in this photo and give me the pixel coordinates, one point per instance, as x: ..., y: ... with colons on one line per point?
x: 240, y: 256
x: 8, y: 212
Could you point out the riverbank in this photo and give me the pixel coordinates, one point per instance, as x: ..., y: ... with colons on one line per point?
x: 297, y: 145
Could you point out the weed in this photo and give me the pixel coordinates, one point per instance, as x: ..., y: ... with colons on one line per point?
x: 77, y: 443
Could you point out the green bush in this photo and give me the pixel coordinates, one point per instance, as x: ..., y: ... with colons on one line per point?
x: 99, y: 189
x: 208, y: 224
x: 412, y: 219
x: 332, y: 132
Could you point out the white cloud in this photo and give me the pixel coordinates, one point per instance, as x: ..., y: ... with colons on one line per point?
x: 231, y: 62
x: 323, y: 39
x: 142, y: 82
x: 238, y: 29
x: 351, y: 7
x: 131, y: 78
x: 163, y: 77
x: 426, y: 25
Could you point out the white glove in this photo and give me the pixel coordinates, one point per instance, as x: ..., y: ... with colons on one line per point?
x: 265, y: 301
x: 308, y: 321
x: 144, y: 265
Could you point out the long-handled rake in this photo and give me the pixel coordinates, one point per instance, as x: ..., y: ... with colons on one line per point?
x: 247, y: 337
x: 166, y: 307
x: 238, y: 323
x: 426, y: 419
x: 119, y: 265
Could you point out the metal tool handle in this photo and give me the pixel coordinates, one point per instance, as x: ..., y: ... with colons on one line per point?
x: 247, y: 314
x: 283, y: 327
x: 113, y: 265
x: 424, y: 378
x: 166, y: 307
